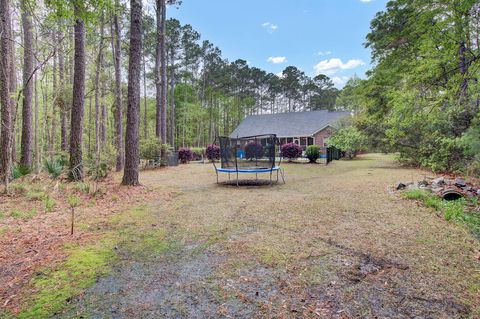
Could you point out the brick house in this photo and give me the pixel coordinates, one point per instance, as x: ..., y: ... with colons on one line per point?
x: 303, y: 128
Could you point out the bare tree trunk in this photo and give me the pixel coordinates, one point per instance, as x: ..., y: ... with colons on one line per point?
x: 61, y: 98
x: 97, y: 90
x: 6, y: 111
x: 37, y: 145
x: 161, y: 73
x: 53, y: 133
x: 145, y: 123
x: 76, y: 133
x: 118, y: 91
x: 103, y: 117
x: 172, y: 98
x: 27, y: 134
x: 132, y: 158
x: 13, y: 89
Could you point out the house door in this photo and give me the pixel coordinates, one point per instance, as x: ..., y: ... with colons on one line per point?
x: 296, y: 140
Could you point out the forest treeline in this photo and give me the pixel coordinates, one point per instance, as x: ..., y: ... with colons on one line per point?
x: 422, y: 97
x: 86, y: 81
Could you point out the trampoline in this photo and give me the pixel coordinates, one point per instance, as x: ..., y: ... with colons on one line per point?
x: 250, y: 154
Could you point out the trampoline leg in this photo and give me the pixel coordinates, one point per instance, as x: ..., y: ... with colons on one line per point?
x: 228, y: 175
x: 277, y: 176
x: 237, y: 178
x: 270, y: 178
x: 283, y: 178
x: 256, y: 176
x: 217, y: 176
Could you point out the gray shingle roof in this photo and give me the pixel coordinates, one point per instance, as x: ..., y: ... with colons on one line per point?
x: 292, y: 124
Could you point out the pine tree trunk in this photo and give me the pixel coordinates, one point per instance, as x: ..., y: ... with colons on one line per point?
x: 27, y: 134
x: 172, y: 98
x: 132, y: 158
x: 117, y: 51
x: 13, y: 89
x: 53, y: 133
x: 76, y: 133
x: 61, y: 98
x: 161, y: 73
x: 6, y: 111
x: 97, y: 90
x: 145, y: 123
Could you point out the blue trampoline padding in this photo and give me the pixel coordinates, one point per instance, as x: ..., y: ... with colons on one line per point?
x: 243, y: 170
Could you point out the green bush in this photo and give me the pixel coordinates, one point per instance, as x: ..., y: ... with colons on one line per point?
x: 54, y: 168
x: 312, y: 153
x: 349, y: 140
x: 150, y: 149
x: 49, y: 203
x: 20, y: 170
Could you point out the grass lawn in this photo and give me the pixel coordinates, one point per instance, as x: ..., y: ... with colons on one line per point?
x: 331, y: 243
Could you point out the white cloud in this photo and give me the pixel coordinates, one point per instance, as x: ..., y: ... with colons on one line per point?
x: 340, y: 81
x: 270, y: 27
x: 279, y: 74
x: 332, y: 66
x: 321, y: 53
x: 277, y: 59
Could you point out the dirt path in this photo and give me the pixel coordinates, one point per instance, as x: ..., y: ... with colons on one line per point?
x: 330, y: 243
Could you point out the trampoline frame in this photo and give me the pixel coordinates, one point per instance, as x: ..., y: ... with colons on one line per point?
x: 236, y: 170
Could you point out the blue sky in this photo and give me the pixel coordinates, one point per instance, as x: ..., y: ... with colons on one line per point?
x: 317, y: 36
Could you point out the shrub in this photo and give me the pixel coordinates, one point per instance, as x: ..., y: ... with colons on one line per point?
x: 150, y: 149
x: 49, y: 203
x: 213, y: 152
x: 291, y: 151
x: 25, y: 215
x: 253, y: 150
x: 312, y: 153
x: 185, y: 155
x: 20, y: 170
x: 349, y: 140
x: 53, y: 167
x: 197, y: 153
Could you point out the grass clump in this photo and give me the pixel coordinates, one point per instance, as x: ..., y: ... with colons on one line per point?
x: 3, y: 230
x: 78, y: 272
x: 35, y: 194
x: 83, y: 187
x: 49, y: 203
x: 456, y: 210
x: 25, y: 215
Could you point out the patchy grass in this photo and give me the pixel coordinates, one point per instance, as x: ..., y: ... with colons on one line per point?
x: 457, y: 210
x: 330, y: 242
x: 132, y: 235
x: 55, y: 287
x: 25, y: 215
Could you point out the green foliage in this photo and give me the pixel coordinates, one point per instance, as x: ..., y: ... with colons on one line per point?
x: 49, y: 203
x: 150, y: 149
x: 419, y: 98
x: 312, y: 153
x: 35, y: 194
x: 25, y: 215
x: 77, y: 273
x: 54, y: 168
x: 83, y: 187
x: 73, y: 201
x: 456, y: 210
x: 20, y: 170
x: 349, y: 140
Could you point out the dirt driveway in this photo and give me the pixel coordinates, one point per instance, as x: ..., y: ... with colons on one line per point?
x: 330, y: 243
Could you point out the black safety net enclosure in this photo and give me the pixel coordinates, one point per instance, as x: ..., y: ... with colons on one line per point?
x: 251, y: 152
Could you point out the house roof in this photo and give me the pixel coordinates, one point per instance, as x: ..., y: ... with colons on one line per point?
x: 290, y: 124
